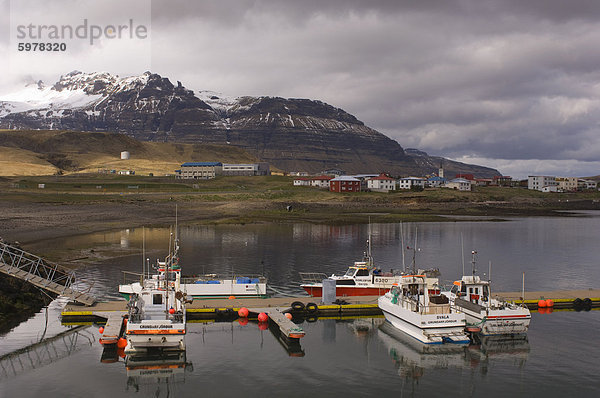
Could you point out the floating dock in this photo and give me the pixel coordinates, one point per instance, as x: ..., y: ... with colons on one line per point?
x: 215, y: 309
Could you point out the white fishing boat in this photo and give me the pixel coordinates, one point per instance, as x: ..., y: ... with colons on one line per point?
x: 203, y: 286
x: 156, y: 314
x: 416, y: 307
x: 492, y: 316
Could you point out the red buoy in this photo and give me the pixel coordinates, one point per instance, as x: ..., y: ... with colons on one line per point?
x: 122, y: 343
x: 121, y: 352
x: 101, y: 330
x: 171, y: 310
x: 262, y: 317
x: 243, y: 312
x: 231, y: 297
x: 542, y: 304
x: 549, y: 303
x: 288, y: 315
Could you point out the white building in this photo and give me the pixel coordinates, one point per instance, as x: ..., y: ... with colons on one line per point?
x: 409, y: 182
x: 539, y: 182
x: 460, y: 184
x: 381, y: 183
x: 301, y: 182
x: 320, y: 181
x: 587, y: 184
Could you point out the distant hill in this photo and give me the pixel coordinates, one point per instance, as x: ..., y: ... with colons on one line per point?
x: 291, y: 134
x: 47, y: 152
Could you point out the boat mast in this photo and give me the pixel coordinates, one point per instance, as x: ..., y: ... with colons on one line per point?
x: 368, y: 254
x: 402, y: 241
x: 473, y: 261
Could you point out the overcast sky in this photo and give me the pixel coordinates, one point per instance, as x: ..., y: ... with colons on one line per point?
x: 509, y: 84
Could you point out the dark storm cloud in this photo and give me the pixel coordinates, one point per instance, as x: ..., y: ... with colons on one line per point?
x: 506, y: 82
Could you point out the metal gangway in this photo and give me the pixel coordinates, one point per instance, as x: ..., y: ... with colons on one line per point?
x: 41, y: 273
x: 46, y: 352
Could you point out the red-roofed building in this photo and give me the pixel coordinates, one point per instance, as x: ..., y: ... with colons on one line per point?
x: 469, y: 177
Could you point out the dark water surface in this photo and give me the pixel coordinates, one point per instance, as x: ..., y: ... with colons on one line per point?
x: 340, y: 357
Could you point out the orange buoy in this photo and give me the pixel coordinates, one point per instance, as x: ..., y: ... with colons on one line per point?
x: 122, y: 343
x: 125, y: 321
x: 171, y: 310
x: 263, y: 325
x: 101, y: 330
x: 262, y: 317
x: 243, y: 312
x: 243, y: 321
x: 231, y: 297
x: 549, y: 303
x: 542, y: 304
x: 288, y: 315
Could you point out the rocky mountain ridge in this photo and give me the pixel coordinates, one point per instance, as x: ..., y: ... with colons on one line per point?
x: 292, y: 134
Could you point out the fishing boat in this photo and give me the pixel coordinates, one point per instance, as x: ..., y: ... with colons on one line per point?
x: 416, y: 306
x: 488, y: 315
x: 361, y: 279
x: 202, y: 286
x: 156, y: 314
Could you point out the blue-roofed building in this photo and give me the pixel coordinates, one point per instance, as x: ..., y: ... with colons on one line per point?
x: 200, y: 170
x: 436, y: 182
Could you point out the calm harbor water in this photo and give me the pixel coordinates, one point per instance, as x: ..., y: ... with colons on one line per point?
x: 339, y: 357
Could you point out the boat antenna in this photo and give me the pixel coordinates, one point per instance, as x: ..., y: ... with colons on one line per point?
x: 402, y: 241
x: 490, y: 272
x: 523, y: 292
x: 143, y: 251
x: 462, y: 252
x: 473, y: 261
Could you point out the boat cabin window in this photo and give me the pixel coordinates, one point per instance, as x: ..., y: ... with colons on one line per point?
x: 486, y: 291
x: 463, y: 288
x: 476, y: 290
x: 362, y: 272
x: 350, y: 272
x: 157, y: 299
x: 454, y: 289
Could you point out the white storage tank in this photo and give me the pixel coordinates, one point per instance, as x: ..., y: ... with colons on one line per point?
x: 125, y: 155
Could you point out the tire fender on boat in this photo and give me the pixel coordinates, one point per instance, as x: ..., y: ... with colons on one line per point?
x: 297, y: 306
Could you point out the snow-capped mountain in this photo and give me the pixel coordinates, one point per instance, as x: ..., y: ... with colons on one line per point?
x: 292, y: 134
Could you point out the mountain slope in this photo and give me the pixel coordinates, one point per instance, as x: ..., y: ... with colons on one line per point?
x: 291, y: 134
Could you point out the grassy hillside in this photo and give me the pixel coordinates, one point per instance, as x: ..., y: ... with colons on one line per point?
x: 47, y: 152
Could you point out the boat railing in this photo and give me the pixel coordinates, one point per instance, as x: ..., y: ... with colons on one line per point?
x: 131, y: 277
x: 217, y: 278
x: 312, y: 277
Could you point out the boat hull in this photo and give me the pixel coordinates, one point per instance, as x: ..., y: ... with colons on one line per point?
x: 197, y: 291
x: 427, y: 328
x: 146, y: 336
x: 345, y: 291
x: 500, y: 322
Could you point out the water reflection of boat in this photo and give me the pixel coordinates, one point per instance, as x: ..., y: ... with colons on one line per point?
x: 412, y: 358
x: 156, y: 368
x: 365, y: 326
